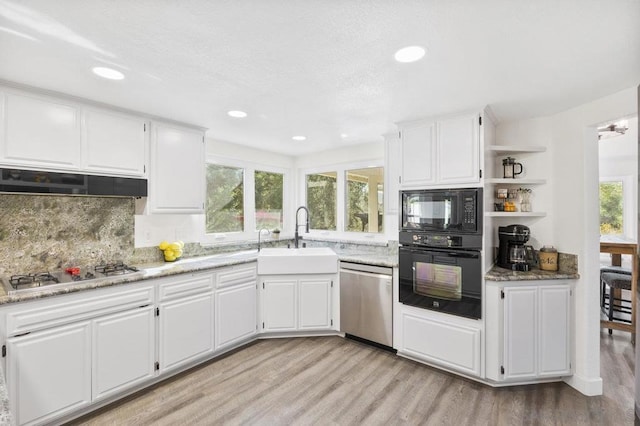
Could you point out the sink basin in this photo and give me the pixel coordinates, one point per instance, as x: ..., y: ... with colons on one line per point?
x: 312, y: 260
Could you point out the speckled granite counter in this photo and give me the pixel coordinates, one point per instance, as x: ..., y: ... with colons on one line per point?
x: 162, y: 269
x: 501, y: 274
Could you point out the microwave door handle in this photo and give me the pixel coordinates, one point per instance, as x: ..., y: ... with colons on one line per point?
x: 465, y: 255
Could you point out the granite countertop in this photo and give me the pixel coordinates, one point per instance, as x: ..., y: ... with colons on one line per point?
x: 163, y: 269
x: 501, y: 274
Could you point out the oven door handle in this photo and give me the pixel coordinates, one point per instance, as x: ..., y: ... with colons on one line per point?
x: 465, y: 255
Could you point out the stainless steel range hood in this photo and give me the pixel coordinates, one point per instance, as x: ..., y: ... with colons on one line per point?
x: 45, y: 182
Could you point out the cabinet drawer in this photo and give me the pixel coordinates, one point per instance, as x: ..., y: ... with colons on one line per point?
x: 240, y: 274
x: 53, y: 314
x: 185, y: 286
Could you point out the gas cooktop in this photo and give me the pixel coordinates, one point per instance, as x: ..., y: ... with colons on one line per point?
x: 36, y: 281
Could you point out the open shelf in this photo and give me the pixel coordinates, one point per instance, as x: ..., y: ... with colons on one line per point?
x: 506, y: 149
x: 523, y: 181
x: 515, y: 214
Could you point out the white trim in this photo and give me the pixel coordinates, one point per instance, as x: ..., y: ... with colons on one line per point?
x: 584, y: 385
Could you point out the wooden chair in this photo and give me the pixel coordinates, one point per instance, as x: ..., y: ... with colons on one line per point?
x: 614, y: 279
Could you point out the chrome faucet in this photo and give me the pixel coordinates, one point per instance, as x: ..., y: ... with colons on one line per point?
x: 297, y: 237
x: 260, y: 233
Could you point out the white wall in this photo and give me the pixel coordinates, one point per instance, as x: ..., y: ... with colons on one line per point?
x: 572, y: 223
x: 618, y: 160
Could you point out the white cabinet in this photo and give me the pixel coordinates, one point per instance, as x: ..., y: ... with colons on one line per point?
x: 186, y: 326
x: 297, y: 303
x: 235, y: 305
x: 123, y: 351
x: 448, y: 341
x: 279, y: 307
x: 49, y: 373
x: 531, y: 330
x: 40, y: 132
x: 441, y: 151
x: 114, y: 143
x: 177, y: 169
x: 314, y: 299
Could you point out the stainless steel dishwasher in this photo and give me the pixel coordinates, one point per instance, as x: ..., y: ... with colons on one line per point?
x: 366, y: 302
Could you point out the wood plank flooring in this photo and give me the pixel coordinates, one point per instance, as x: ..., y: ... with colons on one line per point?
x: 334, y: 381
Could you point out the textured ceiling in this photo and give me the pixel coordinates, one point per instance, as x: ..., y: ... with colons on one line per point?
x: 323, y: 68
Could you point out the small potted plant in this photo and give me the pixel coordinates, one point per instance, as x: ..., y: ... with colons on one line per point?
x: 275, y: 234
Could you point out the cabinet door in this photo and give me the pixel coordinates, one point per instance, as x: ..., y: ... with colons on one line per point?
x: 554, y: 352
x: 186, y: 330
x: 451, y: 345
x: 123, y: 351
x: 235, y: 314
x: 279, y: 311
x: 520, y: 332
x: 177, y: 179
x: 114, y: 143
x: 41, y: 132
x: 314, y: 304
x: 49, y: 373
x: 458, y: 150
x: 418, y: 150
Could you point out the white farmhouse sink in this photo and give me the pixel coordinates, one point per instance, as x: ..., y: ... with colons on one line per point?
x: 312, y: 260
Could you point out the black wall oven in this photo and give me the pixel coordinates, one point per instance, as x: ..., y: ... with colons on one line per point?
x: 440, y: 242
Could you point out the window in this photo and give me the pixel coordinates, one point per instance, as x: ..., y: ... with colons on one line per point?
x: 225, y: 199
x: 364, y: 205
x: 269, y: 189
x: 241, y: 200
x: 322, y: 200
x: 611, y: 208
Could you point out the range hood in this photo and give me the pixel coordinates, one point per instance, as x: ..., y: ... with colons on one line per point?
x: 45, y: 182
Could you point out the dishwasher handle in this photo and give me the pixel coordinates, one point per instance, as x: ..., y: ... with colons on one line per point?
x: 367, y: 274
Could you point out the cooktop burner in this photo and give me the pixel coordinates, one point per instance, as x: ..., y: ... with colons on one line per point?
x: 38, y: 280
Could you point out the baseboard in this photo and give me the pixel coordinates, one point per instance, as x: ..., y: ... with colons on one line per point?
x: 584, y: 385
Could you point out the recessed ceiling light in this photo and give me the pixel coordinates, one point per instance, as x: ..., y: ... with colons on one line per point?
x: 344, y: 135
x: 237, y: 114
x: 108, y: 73
x: 409, y: 54
x: 299, y: 138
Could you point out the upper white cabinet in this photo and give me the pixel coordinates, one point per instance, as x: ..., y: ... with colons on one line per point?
x: 441, y: 152
x: 55, y: 133
x: 528, y: 330
x: 40, y: 132
x: 177, y: 170
x: 114, y: 143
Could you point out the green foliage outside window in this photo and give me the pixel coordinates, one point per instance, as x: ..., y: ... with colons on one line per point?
x: 322, y: 200
x: 225, y: 203
x: 611, y: 208
x: 364, y: 200
x: 268, y: 195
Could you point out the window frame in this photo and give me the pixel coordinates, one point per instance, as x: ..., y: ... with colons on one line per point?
x: 628, y: 201
x: 248, y: 196
x: 341, y: 202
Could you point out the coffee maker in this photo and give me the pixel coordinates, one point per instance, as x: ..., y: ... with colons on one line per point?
x: 513, y: 253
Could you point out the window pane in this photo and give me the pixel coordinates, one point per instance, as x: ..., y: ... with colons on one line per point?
x: 269, y: 189
x: 321, y: 200
x: 225, y: 206
x: 365, y: 194
x: 611, y: 208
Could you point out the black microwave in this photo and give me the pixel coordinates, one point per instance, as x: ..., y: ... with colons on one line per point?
x: 448, y: 211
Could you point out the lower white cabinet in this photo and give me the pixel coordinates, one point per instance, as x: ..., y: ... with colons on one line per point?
x: 235, y: 314
x: 186, y: 330
x: 530, y: 337
x: 49, y: 373
x: 123, y: 351
x: 296, y: 303
x: 442, y: 339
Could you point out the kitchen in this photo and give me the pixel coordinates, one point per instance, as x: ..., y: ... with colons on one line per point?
x: 558, y: 127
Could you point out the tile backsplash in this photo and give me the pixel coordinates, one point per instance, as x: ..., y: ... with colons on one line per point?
x: 47, y: 232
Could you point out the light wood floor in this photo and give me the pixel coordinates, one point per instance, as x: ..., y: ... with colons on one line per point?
x: 330, y: 380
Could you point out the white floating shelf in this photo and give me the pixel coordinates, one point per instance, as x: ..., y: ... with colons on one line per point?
x: 515, y: 214
x: 505, y: 149
x: 523, y: 181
